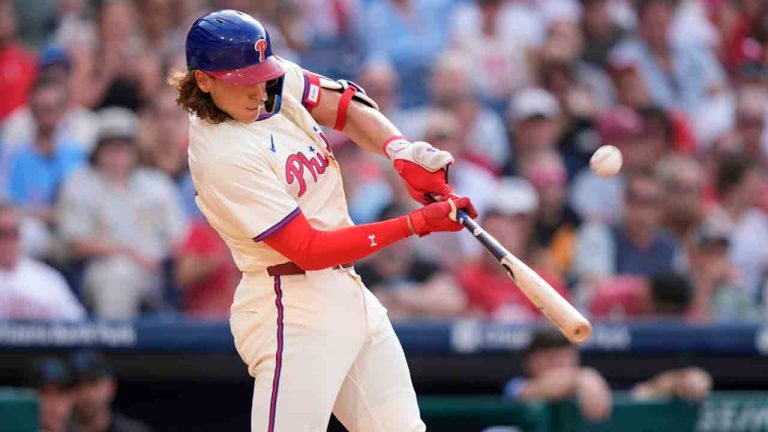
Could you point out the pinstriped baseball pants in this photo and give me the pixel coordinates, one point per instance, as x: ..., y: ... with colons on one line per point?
x: 321, y: 343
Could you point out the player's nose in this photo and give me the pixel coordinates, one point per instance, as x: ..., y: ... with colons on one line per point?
x: 256, y: 91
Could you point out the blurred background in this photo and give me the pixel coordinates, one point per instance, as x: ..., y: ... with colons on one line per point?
x: 115, y: 293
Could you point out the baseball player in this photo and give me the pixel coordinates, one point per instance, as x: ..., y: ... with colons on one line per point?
x: 314, y: 338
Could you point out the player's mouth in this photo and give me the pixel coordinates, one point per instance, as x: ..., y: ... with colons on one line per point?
x: 254, y: 112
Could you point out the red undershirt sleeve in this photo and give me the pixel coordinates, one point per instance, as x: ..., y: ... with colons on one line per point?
x: 313, y: 249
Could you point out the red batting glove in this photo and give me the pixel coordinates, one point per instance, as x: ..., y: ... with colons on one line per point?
x: 427, y: 187
x: 469, y: 209
x: 437, y: 217
x: 422, y: 184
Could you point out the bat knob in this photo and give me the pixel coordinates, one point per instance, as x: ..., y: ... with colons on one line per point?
x: 461, y: 215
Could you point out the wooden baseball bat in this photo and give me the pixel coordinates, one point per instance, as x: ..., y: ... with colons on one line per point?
x: 568, y: 320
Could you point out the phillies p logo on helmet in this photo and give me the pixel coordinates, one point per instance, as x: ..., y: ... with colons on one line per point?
x: 261, y: 47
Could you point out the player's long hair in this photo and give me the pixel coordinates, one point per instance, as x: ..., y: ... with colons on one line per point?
x: 193, y: 100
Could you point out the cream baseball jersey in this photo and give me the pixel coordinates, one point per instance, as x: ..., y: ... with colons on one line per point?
x: 253, y: 179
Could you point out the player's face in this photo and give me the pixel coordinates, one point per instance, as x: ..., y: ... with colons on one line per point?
x: 242, y: 103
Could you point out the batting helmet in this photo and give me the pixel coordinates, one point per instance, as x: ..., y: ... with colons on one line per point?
x: 236, y: 48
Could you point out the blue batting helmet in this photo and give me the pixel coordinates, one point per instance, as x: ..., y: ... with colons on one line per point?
x: 232, y: 46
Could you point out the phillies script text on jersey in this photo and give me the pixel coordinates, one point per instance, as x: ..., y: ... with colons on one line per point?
x: 295, y: 164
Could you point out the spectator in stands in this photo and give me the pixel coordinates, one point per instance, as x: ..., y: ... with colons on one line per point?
x: 744, y: 32
x: 638, y: 246
x: 38, y: 168
x: 52, y: 379
x: 556, y: 223
x: 421, y: 36
x: 122, y: 219
x: 125, y: 72
x: 532, y: 120
x: 17, y: 66
x: 95, y: 387
x: 482, y: 129
x: 410, y: 285
x: 631, y: 88
x: 29, y: 289
x: 42, y: 161
x: 581, y: 88
x: 206, y: 273
x: 682, y: 183
x: 601, y: 33
x: 681, y: 77
x: 749, y: 129
x: 739, y: 183
x: 719, y: 293
x: 77, y: 124
x: 490, y: 292
x: 499, y: 55
x: 553, y: 372
x: 165, y: 134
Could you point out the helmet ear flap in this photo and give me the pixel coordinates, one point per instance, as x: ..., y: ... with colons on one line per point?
x: 274, y: 89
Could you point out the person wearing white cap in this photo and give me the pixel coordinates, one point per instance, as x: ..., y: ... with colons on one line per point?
x: 490, y: 293
x: 532, y: 120
x: 122, y: 219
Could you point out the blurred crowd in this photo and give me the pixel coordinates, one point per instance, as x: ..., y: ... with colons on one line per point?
x: 97, y: 214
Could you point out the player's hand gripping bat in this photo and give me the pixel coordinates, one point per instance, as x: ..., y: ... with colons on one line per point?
x: 570, y: 322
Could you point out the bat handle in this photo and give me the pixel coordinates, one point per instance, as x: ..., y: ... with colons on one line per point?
x: 490, y: 243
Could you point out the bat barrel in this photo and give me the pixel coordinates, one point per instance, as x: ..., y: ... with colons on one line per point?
x: 570, y: 322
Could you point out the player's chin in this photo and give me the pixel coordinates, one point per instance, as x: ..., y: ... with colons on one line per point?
x: 250, y: 115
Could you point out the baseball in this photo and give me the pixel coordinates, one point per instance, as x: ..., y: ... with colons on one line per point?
x: 606, y: 161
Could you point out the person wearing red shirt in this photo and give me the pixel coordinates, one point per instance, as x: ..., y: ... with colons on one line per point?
x: 206, y: 273
x: 490, y: 292
x: 17, y: 66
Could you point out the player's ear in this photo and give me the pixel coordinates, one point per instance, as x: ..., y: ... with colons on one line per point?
x: 204, y: 81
